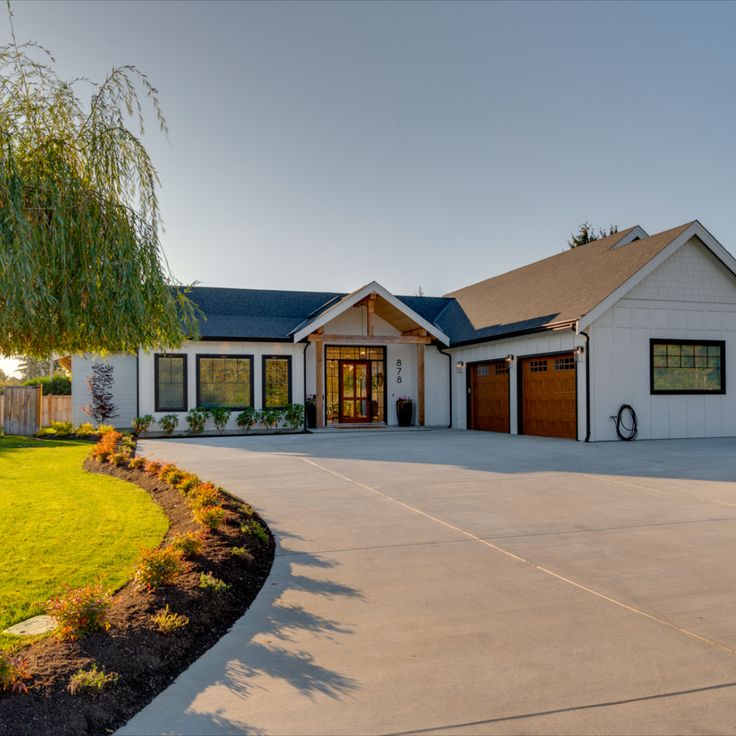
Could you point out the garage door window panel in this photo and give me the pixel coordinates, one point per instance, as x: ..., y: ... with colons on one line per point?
x: 688, y: 367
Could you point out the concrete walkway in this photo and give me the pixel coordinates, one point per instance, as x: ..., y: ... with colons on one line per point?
x: 461, y: 582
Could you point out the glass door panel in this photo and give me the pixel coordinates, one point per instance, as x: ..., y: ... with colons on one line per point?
x: 355, y: 387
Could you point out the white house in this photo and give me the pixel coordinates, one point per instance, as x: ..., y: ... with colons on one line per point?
x: 554, y: 348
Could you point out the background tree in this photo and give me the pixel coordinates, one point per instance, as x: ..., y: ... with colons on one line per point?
x: 586, y: 234
x: 99, y: 383
x: 81, y: 266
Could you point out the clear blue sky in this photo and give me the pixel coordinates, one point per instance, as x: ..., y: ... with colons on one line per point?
x: 322, y: 145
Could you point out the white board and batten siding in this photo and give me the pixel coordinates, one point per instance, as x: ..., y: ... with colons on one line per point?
x: 123, y: 388
x: 691, y: 296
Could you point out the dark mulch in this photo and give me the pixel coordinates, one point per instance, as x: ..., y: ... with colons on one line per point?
x: 146, y: 660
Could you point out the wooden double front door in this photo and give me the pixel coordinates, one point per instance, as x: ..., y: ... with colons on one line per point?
x: 488, y: 394
x: 355, y: 391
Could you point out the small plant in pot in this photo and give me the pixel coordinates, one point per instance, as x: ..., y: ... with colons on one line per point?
x: 142, y: 424
x: 404, y: 411
x: 220, y: 417
x: 196, y: 420
x: 168, y: 423
x: 247, y: 418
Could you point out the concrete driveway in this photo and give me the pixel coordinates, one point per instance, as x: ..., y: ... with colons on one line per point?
x: 462, y: 582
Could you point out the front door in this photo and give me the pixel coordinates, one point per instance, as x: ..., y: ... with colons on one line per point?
x: 355, y: 390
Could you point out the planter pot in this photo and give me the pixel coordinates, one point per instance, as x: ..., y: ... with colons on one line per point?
x: 405, y: 413
x: 311, y: 413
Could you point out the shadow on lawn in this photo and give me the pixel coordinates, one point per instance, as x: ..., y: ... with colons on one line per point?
x: 262, y: 646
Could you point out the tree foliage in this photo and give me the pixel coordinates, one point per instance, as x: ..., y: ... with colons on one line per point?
x: 586, y: 234
x: 81, y: 266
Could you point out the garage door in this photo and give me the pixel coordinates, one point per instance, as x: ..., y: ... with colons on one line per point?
x: 548, y: 396
x: 489, y: 396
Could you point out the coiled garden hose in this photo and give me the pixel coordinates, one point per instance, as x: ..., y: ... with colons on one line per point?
x: 624, y: 432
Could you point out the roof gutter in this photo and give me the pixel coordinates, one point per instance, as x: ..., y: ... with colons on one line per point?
x: 449, y: 377
x: 587, y: 379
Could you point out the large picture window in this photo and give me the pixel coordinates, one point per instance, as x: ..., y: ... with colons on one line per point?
x: 224, y: 381
x: 170, y: 382
x: 688, y: 366
x: 276, y: 381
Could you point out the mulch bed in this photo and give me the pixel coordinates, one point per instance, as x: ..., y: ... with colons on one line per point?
x: 145, y: 659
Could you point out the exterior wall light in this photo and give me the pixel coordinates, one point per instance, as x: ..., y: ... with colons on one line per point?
x: 509, y: 358
x: 579, y: 350
x: 459, y: 366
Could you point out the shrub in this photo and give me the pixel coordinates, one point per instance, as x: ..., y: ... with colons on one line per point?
x: 128, y: 441
x: 12, y: 674
x: 107, y: 445
x: 188, y: 483
x: 220, y: 417
x: 294, y: 415
x: 168, y: 423
x: 80, y: 611
x: 187, y: 544
x: 63, y: 428
x: 152, y: 468
x: 85, y: 430
x: 209, y: 516
x: 271, y: 417
x: 240, y: 552
x: 196, y: 419
x: 46, y: 432
x: 99, y: 385
x: 158, y: 567
x: 204, y: 495
x: 167, y: 622
x: 174, y: 476
x: 92, y: 681
x: 104, y: 429
x: 137, y: 463
x: 57, y: 385
x: 142, y: 424
x: 246, y: 508
x: 209, y: 582
x: 247, y: 418
x: 165, y: 469
x: 119, y: 458
x: 253, y: 529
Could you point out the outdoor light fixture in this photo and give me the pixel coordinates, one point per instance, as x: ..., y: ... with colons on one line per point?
x: 579, y: 350
x: 509, y: 358
x: 459, y: 366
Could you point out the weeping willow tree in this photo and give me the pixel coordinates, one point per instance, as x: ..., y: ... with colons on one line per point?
x: 81, y: 264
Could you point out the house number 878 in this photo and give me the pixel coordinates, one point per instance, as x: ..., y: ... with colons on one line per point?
x: 398, y: 370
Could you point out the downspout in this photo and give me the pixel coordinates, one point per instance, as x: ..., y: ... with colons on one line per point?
x: 304, y: 385
x: 449, y: 376
x: 587, y: 383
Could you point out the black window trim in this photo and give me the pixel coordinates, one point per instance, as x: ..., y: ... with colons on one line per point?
x: 264, y: 358
x: 686, y: 392
x: 156, y: 404
x: 227, y: 355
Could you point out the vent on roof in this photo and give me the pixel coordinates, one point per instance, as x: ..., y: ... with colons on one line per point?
x: 636, y: 233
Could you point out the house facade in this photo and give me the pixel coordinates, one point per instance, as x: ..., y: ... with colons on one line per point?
x: 551, y: 349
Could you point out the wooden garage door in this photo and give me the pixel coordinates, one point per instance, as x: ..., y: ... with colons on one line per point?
x: 548, y: 406
x: 489, y: 396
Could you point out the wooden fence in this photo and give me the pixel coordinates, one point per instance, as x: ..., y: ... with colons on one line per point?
x: 53, y: 409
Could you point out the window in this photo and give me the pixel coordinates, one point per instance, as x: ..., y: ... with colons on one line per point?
x: 482, y: 370
x: 565, y: 364
x: 276, y: 381
x: 688, y: 366
x: 170, y: 382
x: 538, y: 366
x: 502, y: 369
x: 224, y: 381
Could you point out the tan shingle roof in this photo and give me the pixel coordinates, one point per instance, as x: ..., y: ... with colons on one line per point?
x: 563, y: 287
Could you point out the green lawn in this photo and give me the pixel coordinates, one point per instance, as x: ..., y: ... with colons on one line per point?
x: 61, y: 526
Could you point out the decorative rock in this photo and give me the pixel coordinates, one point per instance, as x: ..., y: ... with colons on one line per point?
x: 33, y: 626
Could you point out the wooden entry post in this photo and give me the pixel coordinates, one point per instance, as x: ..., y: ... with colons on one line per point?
x: 320, y: 368
x: 420, y: 384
